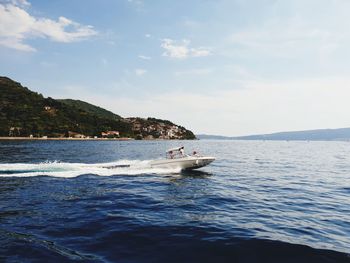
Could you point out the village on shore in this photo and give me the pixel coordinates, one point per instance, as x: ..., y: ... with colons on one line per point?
x: 143, y: 129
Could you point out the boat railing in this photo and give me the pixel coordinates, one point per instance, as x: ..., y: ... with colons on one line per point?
x: 180, y: 155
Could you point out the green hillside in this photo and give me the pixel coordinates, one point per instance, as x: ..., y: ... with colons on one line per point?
x: 90, y: 108
x: 24, y: 113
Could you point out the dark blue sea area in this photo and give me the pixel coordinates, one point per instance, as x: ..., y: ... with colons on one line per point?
x: 260, y: 201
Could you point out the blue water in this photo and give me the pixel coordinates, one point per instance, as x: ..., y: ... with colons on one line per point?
x: 258, y: 202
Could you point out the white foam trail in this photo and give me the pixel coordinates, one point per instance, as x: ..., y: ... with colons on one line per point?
x: 70, y: 170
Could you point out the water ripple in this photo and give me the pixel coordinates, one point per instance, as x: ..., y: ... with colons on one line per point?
x: 278, y: 199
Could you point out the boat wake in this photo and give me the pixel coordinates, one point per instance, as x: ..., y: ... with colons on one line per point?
x: 71, y: 170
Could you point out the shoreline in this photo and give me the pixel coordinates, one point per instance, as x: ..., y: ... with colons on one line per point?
x: 65, y: 139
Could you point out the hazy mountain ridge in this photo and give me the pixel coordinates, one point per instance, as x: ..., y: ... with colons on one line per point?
x: 341, y: 134
x: 213, y: 137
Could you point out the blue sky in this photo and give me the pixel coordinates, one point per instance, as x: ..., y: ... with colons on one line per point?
x: 218, y: 67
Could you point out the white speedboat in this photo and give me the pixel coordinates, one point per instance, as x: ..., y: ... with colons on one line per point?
x: 177, y: 159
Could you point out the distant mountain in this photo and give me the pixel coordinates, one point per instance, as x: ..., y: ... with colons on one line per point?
x: 309, y: 135
x: 342, y: 134
x: 24, y: 113
x: 212, y: 137
x: 90, y: 108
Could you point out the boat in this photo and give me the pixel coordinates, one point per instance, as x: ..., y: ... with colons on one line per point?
x: 177, y: 159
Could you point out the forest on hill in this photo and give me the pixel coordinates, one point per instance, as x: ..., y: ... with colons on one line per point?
x: 26, y: 113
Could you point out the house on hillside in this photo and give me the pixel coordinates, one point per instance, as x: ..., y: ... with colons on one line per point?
x: 76, y: 135
x: 15, y: 131
x: 110, y: 134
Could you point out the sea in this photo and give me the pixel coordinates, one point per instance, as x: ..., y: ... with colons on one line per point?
x: 260, y: 201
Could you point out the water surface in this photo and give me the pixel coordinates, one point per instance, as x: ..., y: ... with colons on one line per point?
x: 258, y: 202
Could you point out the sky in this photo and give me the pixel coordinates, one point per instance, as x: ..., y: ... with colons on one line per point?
x: 224, y: 67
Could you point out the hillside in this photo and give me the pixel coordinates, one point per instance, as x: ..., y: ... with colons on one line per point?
x: 27, y: 113
x: 95, y: 110
x: 152, y: 128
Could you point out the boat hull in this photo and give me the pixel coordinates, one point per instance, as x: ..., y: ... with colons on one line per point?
x: 185, y: 163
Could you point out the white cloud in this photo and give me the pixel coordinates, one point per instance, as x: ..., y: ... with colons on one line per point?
x: 22, y: 3
x: 148, y: 35
x: 17, y: 25
x: 181, y: 49
x: 200, y: 52
x: 145, y: 57
x: 140, y: 71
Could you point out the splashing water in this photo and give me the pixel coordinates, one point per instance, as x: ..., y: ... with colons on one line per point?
x: 71, y: 170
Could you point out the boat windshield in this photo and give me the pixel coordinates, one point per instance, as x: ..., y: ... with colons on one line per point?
x: 174, y: 153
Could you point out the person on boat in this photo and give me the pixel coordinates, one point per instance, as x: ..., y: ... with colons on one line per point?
x: 194, y: 153
x: 182, y: 151
x: 171, y: 154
